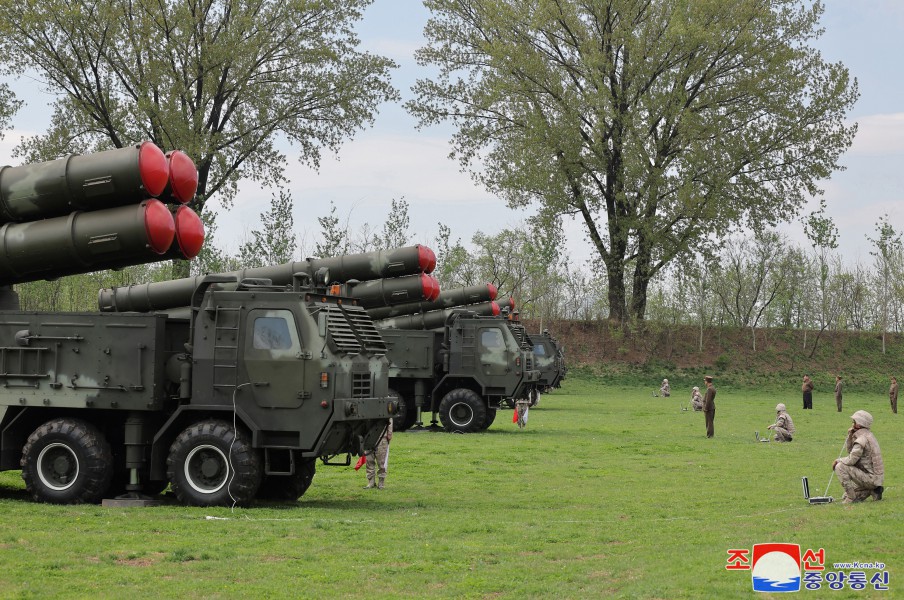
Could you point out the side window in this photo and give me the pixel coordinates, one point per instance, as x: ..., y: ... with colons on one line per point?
x: 491, y: 339
x: 273, y: 331
x: 540, y: 350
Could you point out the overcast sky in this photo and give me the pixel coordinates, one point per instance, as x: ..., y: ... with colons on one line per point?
x: 394, y: 160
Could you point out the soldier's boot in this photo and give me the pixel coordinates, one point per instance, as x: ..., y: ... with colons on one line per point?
x: 370, y: 484
x: 877, y: 493
x: 380, y: 483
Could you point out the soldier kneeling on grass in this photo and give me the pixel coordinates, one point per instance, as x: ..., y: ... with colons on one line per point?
x: 783, y: 426
x: 862, y: 471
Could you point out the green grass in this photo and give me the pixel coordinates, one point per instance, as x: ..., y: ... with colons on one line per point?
x: 609, y: 492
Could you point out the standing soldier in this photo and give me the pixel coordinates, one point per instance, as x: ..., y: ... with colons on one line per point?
x: 378, y: 460
x: 709, y: 405
x: 893, y: 395
x: 838, y: 392
x: 862, y: 471
x: 783, y: 426
x: 807, y: 389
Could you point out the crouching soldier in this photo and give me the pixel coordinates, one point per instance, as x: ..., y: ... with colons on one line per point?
x: 783, y: 426
x: 862, y: 471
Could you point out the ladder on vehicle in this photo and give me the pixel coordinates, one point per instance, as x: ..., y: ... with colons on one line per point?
x: 226, y: 348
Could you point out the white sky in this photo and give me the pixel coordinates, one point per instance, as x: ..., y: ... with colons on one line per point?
x: 393, y: 160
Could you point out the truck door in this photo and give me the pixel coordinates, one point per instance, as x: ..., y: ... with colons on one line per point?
x: 273, y: 358
x: 496, y: 359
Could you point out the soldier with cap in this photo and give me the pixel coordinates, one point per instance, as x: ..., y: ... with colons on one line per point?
x: 665, y: 390
x: 807, y: 389
x: 709, y: 405
x: 838, y: 386
x: 783, y: 426
x: 893, y: 395
x: 862, y: 471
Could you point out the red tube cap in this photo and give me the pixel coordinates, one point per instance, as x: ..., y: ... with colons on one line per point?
x: 426, y: 259
x: 183, y: 176
x: 159, y: 225
x: 153, y: 168
x: 189, y: 232
x: 495, y: 308
x: 494, y: 291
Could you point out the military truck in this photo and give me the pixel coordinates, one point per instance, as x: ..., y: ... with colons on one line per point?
x: 460, y: 364
x: 231, y: 400
x: 549, y: 358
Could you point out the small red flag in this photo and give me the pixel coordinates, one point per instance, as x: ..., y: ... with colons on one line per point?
x: 361, y: 461
x: 515, y: 416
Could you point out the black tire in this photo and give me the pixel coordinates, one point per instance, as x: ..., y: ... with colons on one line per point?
x: 67, y: 461
x: 199, y: 470
x: 288, y: 488
x: 491, y: 416
x: 534, y: 396
x: 404, y: 418
x: 462, y: 410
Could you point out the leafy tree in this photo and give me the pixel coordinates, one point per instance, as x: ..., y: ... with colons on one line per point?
x: 888, y: 259
x: 335, y: 237
x: 395, y: 229
x: 455, y: 267
x: 656, y: 123
x: 276, y: 242
x: 8, y: 107
x: 220, y: 79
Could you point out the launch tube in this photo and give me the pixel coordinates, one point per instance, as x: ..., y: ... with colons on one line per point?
x: 410, y: 260
x: 447, y: 299
x: 85, y: 241
x: 83, y: 182
x: 436, y: 318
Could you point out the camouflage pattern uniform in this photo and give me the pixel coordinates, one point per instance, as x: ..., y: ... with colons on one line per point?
x: 862, y: 471
x: 665, y: 390
x: 697, y: 399
x: 893, y: 395
x: 521, y: 410
x: 783, y: 426
x: 377, y: 460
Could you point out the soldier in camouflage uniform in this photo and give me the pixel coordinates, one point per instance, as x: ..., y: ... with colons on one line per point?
x: 696, y: 399
x: 378, y: 460
x: 783, y: 426
x: 665, y: 390
x: 862, y: 471
x: 893, y: 395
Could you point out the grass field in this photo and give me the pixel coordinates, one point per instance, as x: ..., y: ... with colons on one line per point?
x: 609, y: 492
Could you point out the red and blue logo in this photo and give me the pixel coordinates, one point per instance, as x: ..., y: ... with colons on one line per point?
x: 776, y: 568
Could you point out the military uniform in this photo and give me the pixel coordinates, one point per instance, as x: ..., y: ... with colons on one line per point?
x: 807, y: 389
x: 665, y: 390
x: 378, y: 459
x: 783, y: 426
x: 521, y: 408
x: 709, y: 408
x: 697, y: 399
x: 893, y: 395
x: 838, y: 393
x: 862, y: 471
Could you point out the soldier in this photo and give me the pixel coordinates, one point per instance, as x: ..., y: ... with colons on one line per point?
x: 665, y: 390
x: 807, y: 389
x: 378, y: 460
x: 893, y: 395
x: 696, y: 399
x: 838, y: 392
x: 862, y: 471
x: 709, y: 405
x: 783, y: 426
x: 522, y: 406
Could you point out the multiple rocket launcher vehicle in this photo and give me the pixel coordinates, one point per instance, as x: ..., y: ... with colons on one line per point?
x: 225, y: 387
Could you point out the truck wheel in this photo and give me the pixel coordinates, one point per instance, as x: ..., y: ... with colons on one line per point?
x: 67, y: 461
x: 534, y: 397
x: 491, y: 416
x: 406, y: 415
x: 288, y: 488
x: 201, y: 472
x: 462, y: 410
